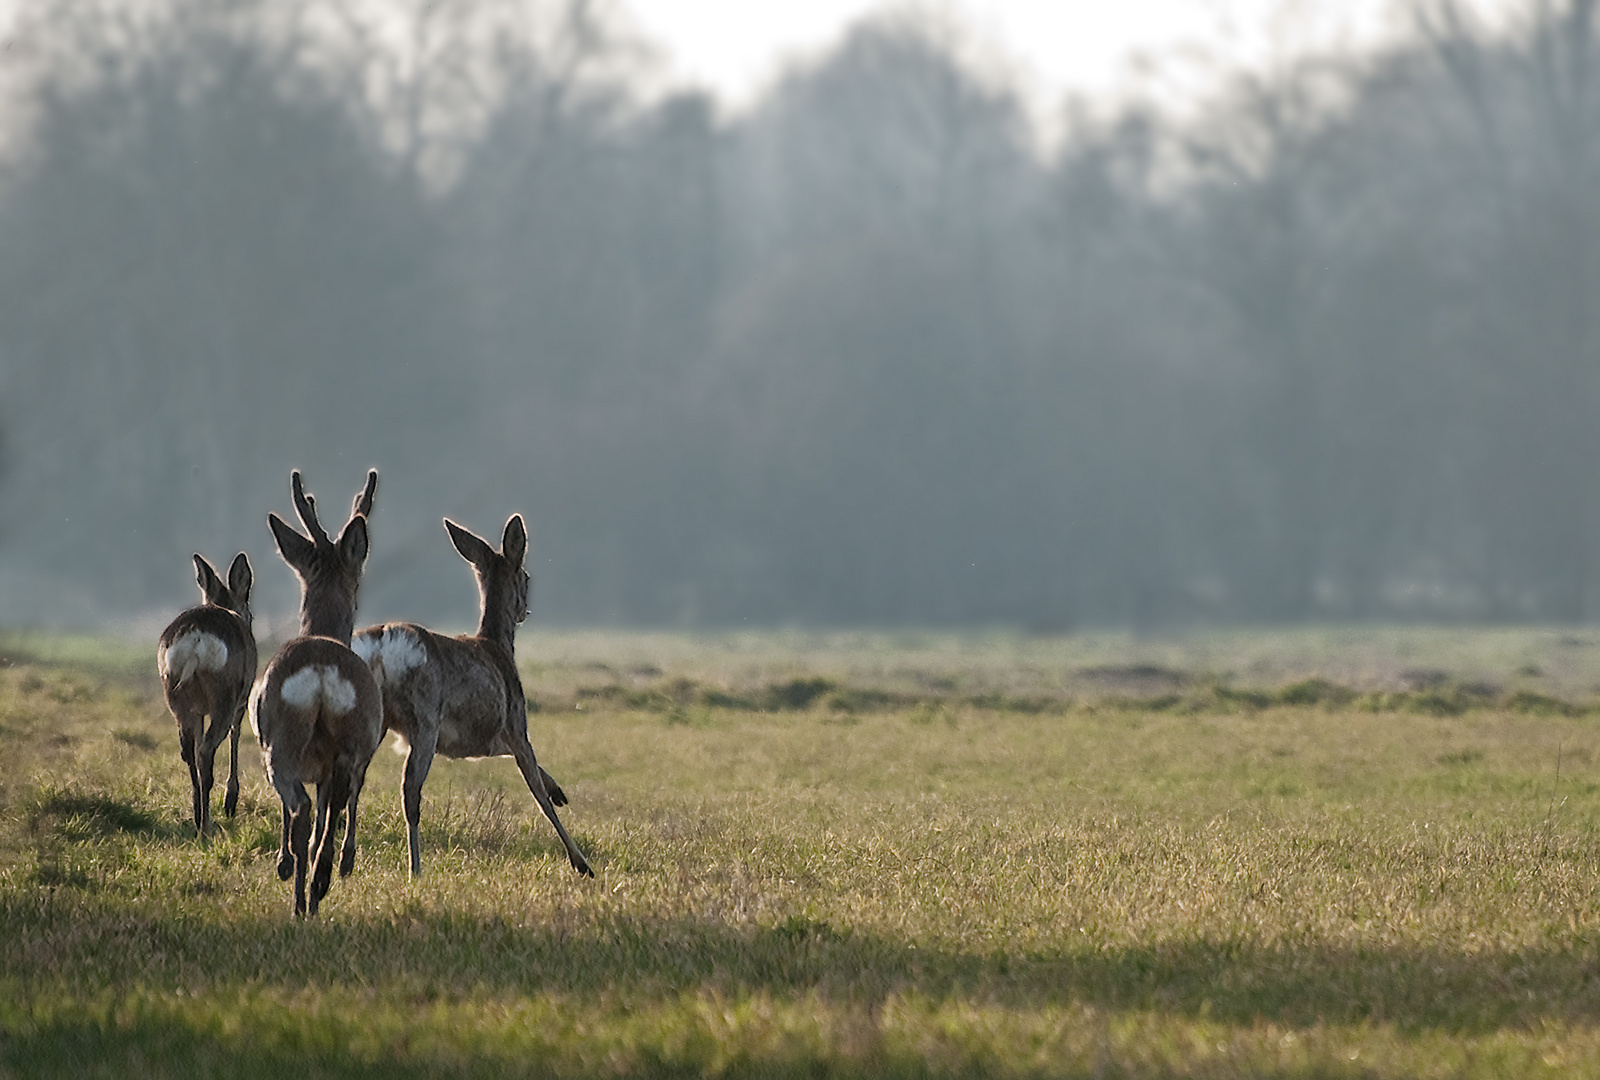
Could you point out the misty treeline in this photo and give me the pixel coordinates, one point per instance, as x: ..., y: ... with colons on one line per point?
x: 863, y: 353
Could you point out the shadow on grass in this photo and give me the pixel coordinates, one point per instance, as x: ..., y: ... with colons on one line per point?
x: 85, y: 941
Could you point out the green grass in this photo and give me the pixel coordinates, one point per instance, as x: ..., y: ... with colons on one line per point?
x: 874, y: 858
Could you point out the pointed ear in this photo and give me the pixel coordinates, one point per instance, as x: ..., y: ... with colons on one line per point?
x: 296, y: 550
x: 514, y: 542
x: 353, y: 541
x: 473, y: 548
x: 240, y: 578
x: 363, y: 502
x: 206, y: 578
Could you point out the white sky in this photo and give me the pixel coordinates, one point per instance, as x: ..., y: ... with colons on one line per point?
x: 1096, y: 48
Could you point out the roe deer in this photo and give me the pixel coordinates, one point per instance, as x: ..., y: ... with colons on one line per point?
x: 207, y: 661
x: 316, y: 709
x: 461, y: 696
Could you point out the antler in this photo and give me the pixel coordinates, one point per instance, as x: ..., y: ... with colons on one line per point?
x: 363, y: 501
x: 306, y: 507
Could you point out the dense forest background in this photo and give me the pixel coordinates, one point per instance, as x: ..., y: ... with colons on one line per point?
x: 868, y: 352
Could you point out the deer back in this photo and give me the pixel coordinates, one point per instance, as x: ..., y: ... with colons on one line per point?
x: 315, y: 702
x: 206, y: 657
x: 430, y: 679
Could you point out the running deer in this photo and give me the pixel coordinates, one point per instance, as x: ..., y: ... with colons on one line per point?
x: 461, y: 696
x: 207, y: 661
x: 316, y: 708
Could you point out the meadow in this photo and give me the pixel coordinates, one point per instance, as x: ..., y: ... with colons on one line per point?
x: 1325, y: 853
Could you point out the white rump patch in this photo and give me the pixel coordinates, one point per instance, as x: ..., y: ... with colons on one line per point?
x: 319, y: 684
x: 194, y: 651
x: 390, y: 652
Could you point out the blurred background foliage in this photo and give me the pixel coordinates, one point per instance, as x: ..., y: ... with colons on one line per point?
x: 870, y: 351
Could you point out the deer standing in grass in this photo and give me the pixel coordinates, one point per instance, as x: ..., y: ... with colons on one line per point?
x: 316, y: 708
x: 207, y: 661
x: 461, y: 696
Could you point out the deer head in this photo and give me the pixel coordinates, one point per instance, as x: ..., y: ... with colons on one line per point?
x: 329, y: 570
x: 235, y: 594
x: 502, y: 579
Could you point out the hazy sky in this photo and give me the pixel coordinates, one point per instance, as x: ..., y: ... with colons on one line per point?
x: 1093, y: 47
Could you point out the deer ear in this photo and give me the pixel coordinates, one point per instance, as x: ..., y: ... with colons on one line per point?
x: 353, y: 541
x: 240, y: 578
x: 514, y: 542
x: 473, y: 548
x: 206, y: 578
x: 296, y: 550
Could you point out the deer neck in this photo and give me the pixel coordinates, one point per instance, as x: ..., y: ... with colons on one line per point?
x: 327, y: 616
x: 495, y: 625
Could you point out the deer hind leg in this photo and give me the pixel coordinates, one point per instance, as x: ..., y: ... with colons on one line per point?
x: 285, y: 855
x: 534, y: 776
x: 204, y: 775
x: 189, y: 752
x: 297, y: 814
x: 221, y: 724
x: 231, y: 802
x: 418, y: 763
x: 557, y: 796
x: 332, y: 795
x: 347, y: 858
x: 299, y: 836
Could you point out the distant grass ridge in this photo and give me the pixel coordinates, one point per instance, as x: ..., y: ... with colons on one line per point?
x: 1201, y: 695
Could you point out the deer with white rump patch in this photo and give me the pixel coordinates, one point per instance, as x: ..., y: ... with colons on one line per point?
x: 316, y: 708
x: 207, y: 661
x: 461, y: 696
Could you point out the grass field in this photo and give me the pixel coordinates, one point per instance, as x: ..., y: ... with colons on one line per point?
x: 1320, y: 854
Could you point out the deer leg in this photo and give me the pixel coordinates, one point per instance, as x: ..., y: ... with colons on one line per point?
x: 557, y: 796
x: 534, y: 775
x: 347, y: 858
x: 297, y: 832
x: 186, y: 749
x: 220, y: 726
x: 204, y: 768
x: 285, y: 855
x: 299, y: 835
x: 418, y: 762
x: 231, y: 802
x: 331, y: 798
x: 321, y: 826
